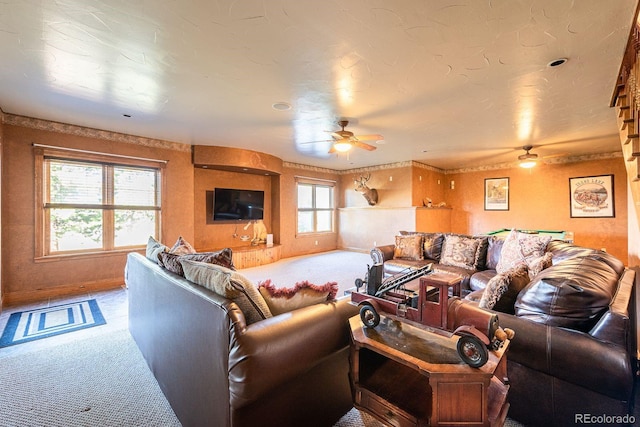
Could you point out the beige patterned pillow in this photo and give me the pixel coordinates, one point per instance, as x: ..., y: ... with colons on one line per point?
x: 459, y: 251
x: 181, y: 247
x: 521, y: 248
x: 409, y: 247
x: 229, y: 284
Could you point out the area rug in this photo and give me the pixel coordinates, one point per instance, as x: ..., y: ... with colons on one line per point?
x: 25, y: 326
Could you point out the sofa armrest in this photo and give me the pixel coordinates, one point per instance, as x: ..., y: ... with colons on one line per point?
x: 276, y: 350
x: 380, y: 254
x: 572, y: 356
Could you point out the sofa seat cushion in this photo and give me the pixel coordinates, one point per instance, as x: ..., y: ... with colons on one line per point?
x: 401, y: 266
x: 571, y: 294
x: 480, y: 279
x: 464, y: 273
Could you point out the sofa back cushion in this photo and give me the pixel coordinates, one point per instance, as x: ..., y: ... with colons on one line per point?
x: 229, y: 284
x: 494, y: 248
x: 571, y: 294
x: 562, y: 251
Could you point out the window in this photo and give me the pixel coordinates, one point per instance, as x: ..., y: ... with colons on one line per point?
x: 91, y: 205
x: 315, y: 208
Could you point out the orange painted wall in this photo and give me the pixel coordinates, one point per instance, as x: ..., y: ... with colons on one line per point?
x: 25, y: 279
x: 539, y: 199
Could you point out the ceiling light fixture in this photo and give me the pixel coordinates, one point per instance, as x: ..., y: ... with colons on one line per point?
x: 343, y: 145
x: 281, y: 106
x: 528, y: 160
x: 557, y: 62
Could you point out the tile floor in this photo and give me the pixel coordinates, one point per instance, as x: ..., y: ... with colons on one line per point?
x: 112, y: 303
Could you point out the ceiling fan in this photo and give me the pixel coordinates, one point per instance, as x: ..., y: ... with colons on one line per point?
x: 344, y: 140
x: 528, y: 160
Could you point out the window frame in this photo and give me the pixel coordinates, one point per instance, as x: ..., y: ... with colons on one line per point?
x: 314, y: 183
x: 108, y: 162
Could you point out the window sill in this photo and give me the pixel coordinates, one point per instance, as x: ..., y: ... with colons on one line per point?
x: 86, y: 255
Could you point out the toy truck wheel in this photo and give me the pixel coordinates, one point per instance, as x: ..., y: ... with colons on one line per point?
x: 369, y: 316
x: 472, y: 351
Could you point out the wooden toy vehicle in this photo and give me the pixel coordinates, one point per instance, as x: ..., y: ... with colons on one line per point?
x: 430, y: 305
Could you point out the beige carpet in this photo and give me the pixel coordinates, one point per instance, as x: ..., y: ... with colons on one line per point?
x: 334, y: 266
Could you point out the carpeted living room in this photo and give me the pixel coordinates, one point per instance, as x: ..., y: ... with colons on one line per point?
x: 327, y: 214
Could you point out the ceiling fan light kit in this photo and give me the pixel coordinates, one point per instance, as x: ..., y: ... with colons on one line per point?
x: 343, y: 146
x: 528, y: 160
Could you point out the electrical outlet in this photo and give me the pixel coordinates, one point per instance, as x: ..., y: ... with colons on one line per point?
x: 374, y: 243
x: 316, y: 243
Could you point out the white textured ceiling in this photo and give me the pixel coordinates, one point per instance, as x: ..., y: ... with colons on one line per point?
x: 451, y: 83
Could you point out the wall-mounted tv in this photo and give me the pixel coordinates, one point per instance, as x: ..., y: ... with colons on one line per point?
x: 231, y: 204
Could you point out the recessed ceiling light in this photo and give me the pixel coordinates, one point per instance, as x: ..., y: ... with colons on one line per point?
x: 557, y: 62
x: 281, y: 106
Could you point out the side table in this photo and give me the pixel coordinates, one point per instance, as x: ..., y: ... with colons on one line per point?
x: 405, y: 375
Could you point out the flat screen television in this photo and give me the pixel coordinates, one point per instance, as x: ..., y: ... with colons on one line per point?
x: 230, y: 204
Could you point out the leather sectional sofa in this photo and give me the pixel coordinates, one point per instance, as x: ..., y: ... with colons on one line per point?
x: 574, y: 352
x: 218, y: 369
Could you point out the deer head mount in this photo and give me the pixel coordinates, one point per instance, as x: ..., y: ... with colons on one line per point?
x: 370, y: 194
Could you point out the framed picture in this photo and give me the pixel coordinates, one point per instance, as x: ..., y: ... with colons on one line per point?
x: 496, y: 194
x: 592, y: 197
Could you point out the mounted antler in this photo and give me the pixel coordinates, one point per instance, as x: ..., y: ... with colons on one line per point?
x: 370, y: 194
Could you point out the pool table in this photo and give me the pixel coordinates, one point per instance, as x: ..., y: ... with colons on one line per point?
x: 565, y: 236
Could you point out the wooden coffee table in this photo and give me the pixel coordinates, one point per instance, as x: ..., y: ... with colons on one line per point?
x: 406, y: 375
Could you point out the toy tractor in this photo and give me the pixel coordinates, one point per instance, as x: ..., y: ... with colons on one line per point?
x: 430, y: 305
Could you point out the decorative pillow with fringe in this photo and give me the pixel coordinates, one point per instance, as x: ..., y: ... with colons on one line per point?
x: 504, y: 286
x: 303, y: 294
x: 408, y: 247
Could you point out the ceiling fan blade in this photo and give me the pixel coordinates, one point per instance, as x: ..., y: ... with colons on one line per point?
x: 372, y: 137
x: 363, y: 145
x: 332, y: 150
x: 317, y: 142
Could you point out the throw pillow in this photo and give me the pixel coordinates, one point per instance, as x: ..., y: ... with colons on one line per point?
x: 521, y: 248
x: 228, y: 284
x: 154, y: 248
x: 303, y: 294
x: 499, y: 287
x: 539, y: 264
x: 408, y: 247
x: 181, y: 247
x: 172, y: 261
x: 459, y: 251
x: 433, y: 245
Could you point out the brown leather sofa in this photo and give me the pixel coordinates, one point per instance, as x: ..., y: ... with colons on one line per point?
x: 574, y: 352
x: 215, y: 370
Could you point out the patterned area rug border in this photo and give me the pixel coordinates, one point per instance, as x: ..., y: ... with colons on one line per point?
x: 31, y: 325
